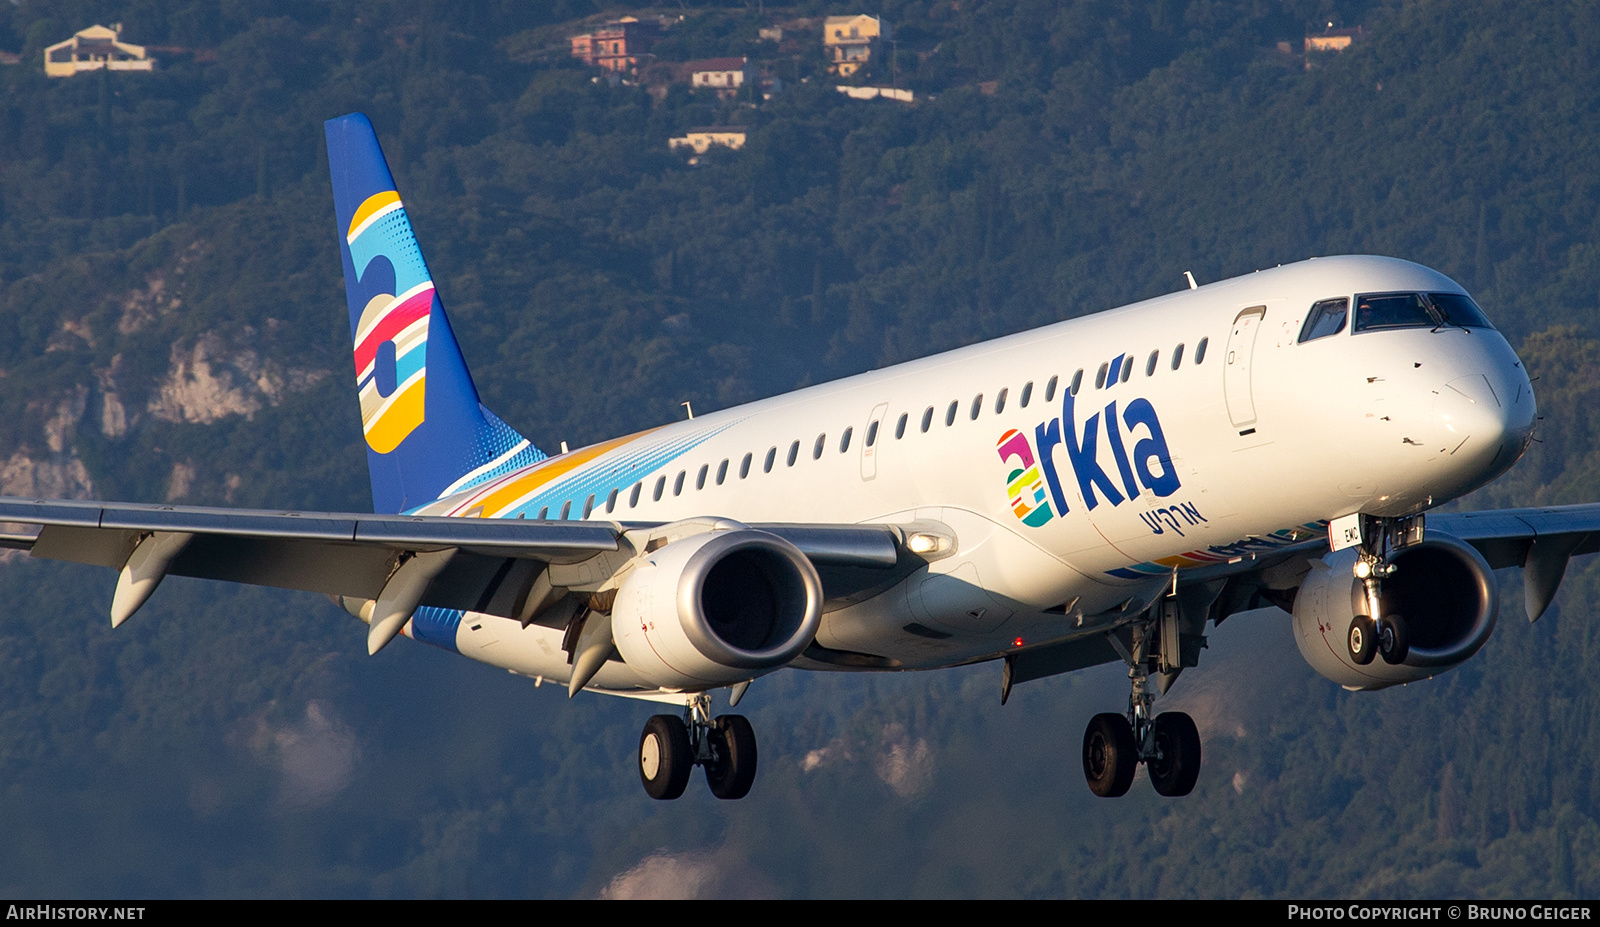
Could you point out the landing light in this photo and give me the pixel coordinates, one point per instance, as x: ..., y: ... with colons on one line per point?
x: 920, y: 543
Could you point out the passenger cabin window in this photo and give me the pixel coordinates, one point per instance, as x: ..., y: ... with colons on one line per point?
x: 772, y: 457
x: 844, y: 440
x: 1000, y: 402
x: 744, y: 466
x: 633, y: 497
x: 1326, y: 317
x: 566, y: 509
x: 1050, y: 390
x: 950, y: 414
x: 927, y: 420
x: 900, y: 426
x: 977, y: 406
x: 677, y: 484
x: 588, y: 505
x: 1127, y: 369
x: 1100, y: 378
x: 872, y: 434
x: 816, y: 452
x: 1200, y: 351
x: 1027, y: 393
x: 794, y: 453
x: 1386, y: 311
x: 1177, y: 356
x: 700, y: 478
x: 722, y: 471
x: 1150, y: 365
x: 661, y: 486
x: 611, y: 502
x: 544, y: 513
x: 1077, y: 381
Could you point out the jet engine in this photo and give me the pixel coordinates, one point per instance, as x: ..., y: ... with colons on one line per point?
x: 1442, y: 587
x: 716, y: 608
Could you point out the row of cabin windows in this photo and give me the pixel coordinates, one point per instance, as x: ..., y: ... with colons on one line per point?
x: 817, y: 449
x: 1123, y: 373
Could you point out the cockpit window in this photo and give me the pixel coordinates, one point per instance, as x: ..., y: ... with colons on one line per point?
x: 1458, y: 309
x: 1326, y: 317
x: 1393, y: 310
x: 1418, y: 310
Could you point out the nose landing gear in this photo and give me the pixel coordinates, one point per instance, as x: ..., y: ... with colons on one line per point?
x: 1375, y: 631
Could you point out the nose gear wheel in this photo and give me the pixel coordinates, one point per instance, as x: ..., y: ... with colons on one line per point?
x: 1378, y: 631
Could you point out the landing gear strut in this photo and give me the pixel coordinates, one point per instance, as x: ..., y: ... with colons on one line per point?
x: 1374, y: 631
x: 670, y: 747
x: 1168, y: 744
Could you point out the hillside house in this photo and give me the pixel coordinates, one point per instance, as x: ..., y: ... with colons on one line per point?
x: 1332, y: 39
x: 97, y: 48
x: 850, y: 41
x: 620, y: 46
x: 724, y: 75
x: 702, y: 139
x: 877, y: 93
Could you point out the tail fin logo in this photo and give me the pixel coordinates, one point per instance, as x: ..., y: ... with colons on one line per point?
x: 391, y: 340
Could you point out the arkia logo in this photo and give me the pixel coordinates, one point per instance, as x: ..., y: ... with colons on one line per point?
x: 1138, y: 451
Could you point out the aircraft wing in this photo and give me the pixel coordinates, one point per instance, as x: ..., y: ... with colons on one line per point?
x: 1506, y: 537
x: 495, y: 561
x: 1540, y: 540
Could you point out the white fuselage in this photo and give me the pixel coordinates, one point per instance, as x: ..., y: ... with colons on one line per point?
x: 1178, y: 461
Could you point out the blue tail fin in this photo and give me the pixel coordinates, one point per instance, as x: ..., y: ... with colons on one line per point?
x: 427, y: 433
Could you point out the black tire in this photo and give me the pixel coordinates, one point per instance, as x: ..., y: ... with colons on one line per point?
x: 1362, y: 640
x: 1394, y: 639
x: 1176, y: 765
x: 1110, y: 756
x: 733, y: 771
x: 665, y: 758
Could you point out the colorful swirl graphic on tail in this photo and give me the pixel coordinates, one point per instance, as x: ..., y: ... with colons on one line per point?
x: 391, y: 340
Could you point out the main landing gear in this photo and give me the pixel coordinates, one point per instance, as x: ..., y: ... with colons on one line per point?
x: 1168, y: 744
x: 1374, y: 631
x: 671, y: 747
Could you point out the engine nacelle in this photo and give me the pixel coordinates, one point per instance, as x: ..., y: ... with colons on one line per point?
x: 1443, y: 588
x: 716, y: 608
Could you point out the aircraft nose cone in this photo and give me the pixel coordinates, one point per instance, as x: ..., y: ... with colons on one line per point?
x: 1484, y: 422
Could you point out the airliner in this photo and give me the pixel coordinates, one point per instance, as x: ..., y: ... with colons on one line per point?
x: 1094, y: 491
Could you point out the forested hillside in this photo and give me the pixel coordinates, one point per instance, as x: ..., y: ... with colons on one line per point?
x: 172, y: 328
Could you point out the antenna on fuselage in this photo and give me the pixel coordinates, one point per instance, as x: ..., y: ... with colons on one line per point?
x: 1190, y: 277
x: 689, y: 408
